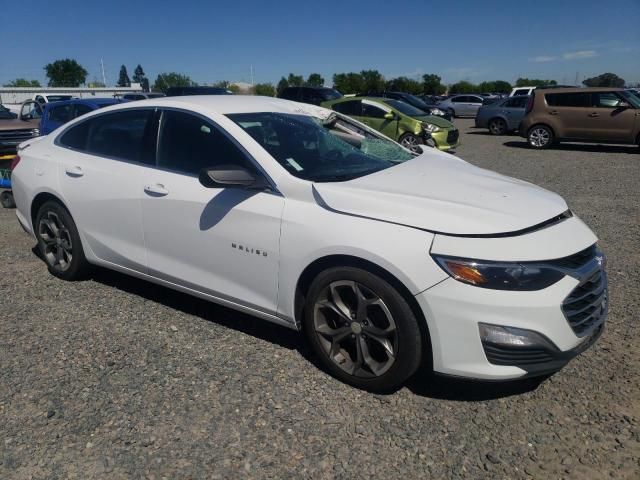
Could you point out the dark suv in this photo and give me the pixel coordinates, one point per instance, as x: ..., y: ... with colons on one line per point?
x: 312, y: 95
x: 596, y: 115
x: 181, y: 91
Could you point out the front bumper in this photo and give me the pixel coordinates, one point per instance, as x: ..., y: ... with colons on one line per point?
x: 446, y: 139
x: 454, y: 311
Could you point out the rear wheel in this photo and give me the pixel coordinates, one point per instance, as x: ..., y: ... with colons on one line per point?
x: 59, y: 242
x: 540, y: 136
x: 497, y: 126
x: 6, y: 199
x: 362, y: 330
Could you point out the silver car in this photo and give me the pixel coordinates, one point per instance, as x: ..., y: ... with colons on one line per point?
x: 503, y: 116
x: 463, y: 105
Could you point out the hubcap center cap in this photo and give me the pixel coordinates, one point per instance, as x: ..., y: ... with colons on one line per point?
x: 356, y: 328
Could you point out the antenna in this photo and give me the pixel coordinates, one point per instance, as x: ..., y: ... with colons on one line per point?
x: 104, y: 79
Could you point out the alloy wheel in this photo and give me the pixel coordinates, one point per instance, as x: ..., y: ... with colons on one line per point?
x: 58, y: 248
x: 355, y: 329
x: 411, y: 143
x: 539, y: 137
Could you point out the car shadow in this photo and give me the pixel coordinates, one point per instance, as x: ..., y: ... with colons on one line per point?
x: 580, y: 147
x: 424, y: 383
x: 432, y: 385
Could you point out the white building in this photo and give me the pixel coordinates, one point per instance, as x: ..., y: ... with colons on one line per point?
x: 12, y: 97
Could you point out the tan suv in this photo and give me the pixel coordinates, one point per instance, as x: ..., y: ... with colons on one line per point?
x: 602, y: 115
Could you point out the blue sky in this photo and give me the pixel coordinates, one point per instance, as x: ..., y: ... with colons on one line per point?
x: 211, y: 41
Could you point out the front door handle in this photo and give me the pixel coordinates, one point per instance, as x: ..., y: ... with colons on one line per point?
x: 156, y: 190
x: 594, y: 114
x: 553, y: 112
x: 74, y: 171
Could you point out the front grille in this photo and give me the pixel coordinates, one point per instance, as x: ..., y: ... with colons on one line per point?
x: 452, y: 136
x: 501, y: 355
x: 586, y: 305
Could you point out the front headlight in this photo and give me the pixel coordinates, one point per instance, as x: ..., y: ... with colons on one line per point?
x: 430, y: 127
x: 437, y: 111
x: 523, y: 276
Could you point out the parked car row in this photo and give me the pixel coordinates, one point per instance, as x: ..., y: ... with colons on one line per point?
x: 404, y: 123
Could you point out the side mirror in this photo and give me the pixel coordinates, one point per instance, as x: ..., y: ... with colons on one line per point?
x: 229, y: 176
x: 624, y: 105
x: 389, y: 116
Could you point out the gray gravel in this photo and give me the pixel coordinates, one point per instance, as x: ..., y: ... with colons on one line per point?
x: 117, y: 378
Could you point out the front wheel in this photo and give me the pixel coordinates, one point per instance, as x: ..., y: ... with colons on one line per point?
x: 6, y: 199
x: 540, y: 136
x: 497, y: 126
x: 59, y: 242
x: 410, y: 142
x: 362, y: 330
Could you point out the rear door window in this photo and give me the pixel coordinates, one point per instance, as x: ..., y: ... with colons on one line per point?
x: 124, y: 135
x: 350, y: 108
x: 81, y: 110
x: 578, y: 99
x: 519, y: 102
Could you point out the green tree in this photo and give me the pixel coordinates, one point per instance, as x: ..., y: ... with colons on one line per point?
x: 534, y: 82
x: 432, y: 84
x: 282, y: 84
x: 96, y: 84
x: 463, y: 87
x: 605, y: 80
x: 140, y: 77
x: 265, y: 89
x: 22, y: 82
x: 347, y: 83
x: 123, y: 78
x: 404, y: 84
x: 172, y: 79
x: 295, y: 80
x: 501, y: 86
x: 315, y: 80
x: 372, y: 80
x: 65, y: 73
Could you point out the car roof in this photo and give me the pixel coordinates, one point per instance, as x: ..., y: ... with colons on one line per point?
x: 581, y: 89
x: 225, y: 104
x: 84, y: 101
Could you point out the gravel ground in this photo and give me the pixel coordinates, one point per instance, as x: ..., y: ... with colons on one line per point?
x: 117, y: 378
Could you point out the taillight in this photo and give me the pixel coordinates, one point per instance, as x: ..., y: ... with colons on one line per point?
x: 14, y: 162
x: 529, y: 104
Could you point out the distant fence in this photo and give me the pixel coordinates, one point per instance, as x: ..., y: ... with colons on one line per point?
x: 17, y: 95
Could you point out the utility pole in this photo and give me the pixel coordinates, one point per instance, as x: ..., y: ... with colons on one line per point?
x: 104, y: 78
x: 251, y: 69
x: 576, y: 82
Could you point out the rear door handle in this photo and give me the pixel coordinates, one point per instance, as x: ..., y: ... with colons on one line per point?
x: 553, y: 112
x: 594, y: 114
x: 74, y: 171
x: 156, y: 190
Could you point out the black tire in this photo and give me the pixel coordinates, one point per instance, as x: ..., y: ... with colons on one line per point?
x: 6, y: 199
x: 453, y: 113
x: 497, y: 126
x: 386, y: 324
x: 59, y: 242
x: 410, y: 141
x: 540, y: 137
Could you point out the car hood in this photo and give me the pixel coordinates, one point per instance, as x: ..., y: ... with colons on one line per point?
x: 17, y: 124
x: 443, y: 194
x: 437, y: 121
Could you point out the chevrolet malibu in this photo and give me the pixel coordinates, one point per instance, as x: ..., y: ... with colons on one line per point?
x: 386, y: 260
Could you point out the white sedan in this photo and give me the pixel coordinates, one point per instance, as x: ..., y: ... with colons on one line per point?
x: 385, y: 259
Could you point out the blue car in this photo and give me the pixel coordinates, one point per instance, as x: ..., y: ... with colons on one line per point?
x: 59, y: 113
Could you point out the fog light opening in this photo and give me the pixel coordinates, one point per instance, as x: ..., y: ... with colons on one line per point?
x: 513, y: 337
